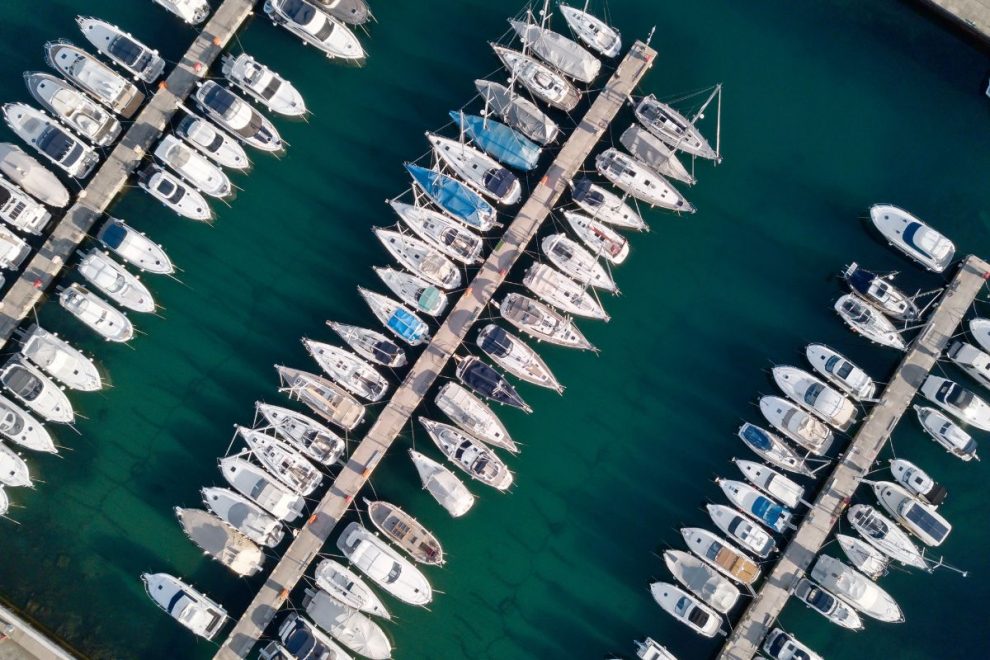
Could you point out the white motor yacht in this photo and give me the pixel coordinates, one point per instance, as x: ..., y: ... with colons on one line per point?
x: 469, y: 455
x: 14, y: 471
x: 562, y: 54
x: 686, y: 608
x: 305, y: 434
x: 742, y: 529
x: 134, y: 247
x: 947, y: 433
x: 770, y: 447
x: 477, y: 169
x: 868, y: 560
x: 702, y: 580
x: 651, y: 151
x: 414, y: 291
x: 221, y: 542
x: 194, y: 167
x: 192, y: 609
x: 282, y: 461
x: 34, y: 389
x: 371, y: 345
x: 192, y: 12
x: 972, y: 360
x: 473, y: 416
x: 20, y: 210
x: 565, y: 294
x: 856, y: 589
x: 605, y: 206
x: 32, y: 176
x: 384, y: 566
x: 264, y: 85
x: 913, y: 237
x: 956, y: 400
x: 601, y: 239
x: 721, y: 555
x: 175, y: 194
x: 592, y: 31
x: 815, y: 396
x: 348, y: 370
x: 449, y: 491
x: 980, y: 329
x: 313, y: 26
x: 541, y: 322
x: 673, y: 128
x: 322, y: 396
x: 802, y: 427
x: 826, y: 604
x: 518, y: 112
x: 884, y: 535
x: 215, y: 143
x: 917, y: 481
x: 634, y: 178
x: 442, y: 232
x: 73, y: 108
x: 545, y: 83
x: 780, y: 645
x: 115, y: 282
x: 771, y: 482
x: 57, y: 144
x: 244, y: 515
x: 13, y: 249
x: 420, y: 258
x: 303, y: 641
x: 355, y: 630
x: 397, y: 318
x: 919, y: 518
x: 839, y: 371
x: 94, y: 77
x: 516, y: 357
x: 237, y: 116
x: 347, y: 587
x: 142, y: 62
x: 96, y: 313
x: 754, y: 503
x: 576, y: 262
x: 59, y: 359
x: 257, y: 485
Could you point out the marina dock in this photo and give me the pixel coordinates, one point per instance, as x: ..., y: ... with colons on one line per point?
x: 19, y: 640
x: 397, y: 414
x: 857, y: 461
x: 69, y: 231
x: 974, y: 15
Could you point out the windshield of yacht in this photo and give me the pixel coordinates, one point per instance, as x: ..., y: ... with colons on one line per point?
x: 955, y: 395
x: 299, y: 11
x: 59, y: 146
x: 811, y: 394
x: 128, y: 52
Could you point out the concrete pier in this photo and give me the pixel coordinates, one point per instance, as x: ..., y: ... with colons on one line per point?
x: 19, y: 640
x: 800, y: 553
x: 434, y: 358
x: 974, y: 15
x: 69, y: 231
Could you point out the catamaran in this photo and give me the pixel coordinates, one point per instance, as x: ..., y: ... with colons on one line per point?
x: 593, y: 31
x: 477, y: 169
x: 38, y: 392
x: 191, y: 608
x: 32, y: 176
x: 521, y: 114
x: 264, y: 85
x: 516, y: 357
x: 142, y: 62
x: 576, y: 262
x: 565, y: 294
x: 216, y: 144
x: 59, y: 359
x: 73, y: 108
x: 397, y: 318
x: 174, y: 193
x: 913, y: 237
x: 115, y: 282
x: 840, y: 371
x: 501, y: 142
x: 237, y: 116
x: 193, y: 166
x: 633, y: 178
x: 96, y: 313
x: 134, y: 247
x: 651, y: 151
x: 472, y: 415
x: 454, y: 197
x: 348, y: 370
x: 443, y: 485
x: 371, y: 345
x: 305, y: 434
x: 541, y: 322
x: 469, y: 455
x: 414, y: 290
x: 879, y: 292
x: 94, y: 77
x: 322, y: 396
x: 450, y: 237
x: 800, y: 426
x: 564, y: 55
x: 545, y: 83
x: 604, y: 205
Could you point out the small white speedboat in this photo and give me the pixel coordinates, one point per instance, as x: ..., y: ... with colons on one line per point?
x: 868, y: 560
x: 192, y: 12
x: 171, y: 191
x: 972, y: 360
x: 34, y: 389
x: 371, y: 345
x: 771, y: 482
x: 115, y: 282
x: 347, y: 587
x: 134, y: 247
x: 576, y: 262
x: 469, y: 455
x: 686, y: 608
x: 324, y: 397
x: 473, y: 416
x: 264, y: 85
x: 282, y: 461
x: 780, y: 645
x: 414, y: 290
x: 884, y: 535
x: 477, y: 169
x: 721, y: 555
x: 355, y: 630
x: 61, y: 360
x: 592, y: 31
x: 742, y: 529
x: 94, y: 77
x: 194, y: 167
x: 751, y: 501
x: 397, y: 318
x: 541, y: 322
x: 956, y: 400
x: 919, y: 518
x: 14, y: 471
x: 546, y: 84
x: 516, y: 357
x: 304, y: 433
x: 634, y: 178
x: 913, y: 237
x: 201, y: 615
x: 565, y: 294
x: 449, y: 491
x: 917, y: 481
x: 815, y: 396
x: 254, y: 483
x: 57, y: 144
x: 802, y: 427
x: 856, y: 589
x: 600, y: 238
x: 96, y: 313
x: 839, y: 371
x: 215, y: 143
x: 20, y: 210
x: 384, y: 566
x: 73, y: 108
x: 673, y: 128
x: 826, y: 604
x: 142, y: 62
x: 420, y: 258
x: 303, y: 19
x: 442, y: 232
x: 702, y: 580
x: 947, y: 433
x: 605, y: 206
x: 244, y: 515
x: 237, y: 116
x: 651, y: 151
x: 771, y: 448
x: 562, y: 54
x: 348, y: 370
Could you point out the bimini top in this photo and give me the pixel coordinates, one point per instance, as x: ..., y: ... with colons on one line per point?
x: 454, y: 197
x: 499, y: 141
x: 406, y: 325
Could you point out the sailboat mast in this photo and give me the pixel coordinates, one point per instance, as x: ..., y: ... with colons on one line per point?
x: 718, y: 127
x: 701, y: 110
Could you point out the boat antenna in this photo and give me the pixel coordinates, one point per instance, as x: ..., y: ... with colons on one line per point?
x: 649, y: 37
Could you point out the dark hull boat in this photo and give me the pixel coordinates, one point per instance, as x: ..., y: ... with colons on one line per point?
x: 489, y: 383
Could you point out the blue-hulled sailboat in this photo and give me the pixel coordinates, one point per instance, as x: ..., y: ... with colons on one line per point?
x: 499, y: 141
x: 454, y: 197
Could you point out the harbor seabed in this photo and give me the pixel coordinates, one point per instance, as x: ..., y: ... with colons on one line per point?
x: 827, y: 109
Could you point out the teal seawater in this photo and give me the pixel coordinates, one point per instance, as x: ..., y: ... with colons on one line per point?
x: 829, y: 107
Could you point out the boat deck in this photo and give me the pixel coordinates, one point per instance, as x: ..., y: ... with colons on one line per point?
x: 856, y: 462
x: 396, y: 415
x: 68, y: 233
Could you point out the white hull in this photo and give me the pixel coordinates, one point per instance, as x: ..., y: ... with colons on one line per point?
x: 194, y: 167
x: 473, y: 416
x: 576, y: 262
x: 856, y: 589
x: 913, y: 237
x: 802, y: 427
x: 214, y: 143
x: 384, y: 566
x: 356, y: 631
x: 94, y: 77
x: 282, y: 461
x: 115, y: 282
x: 702, y: 580
x: 135, y: 248
x: 73, y: 108
x: 673, y: 128
x: 221, y: 542
x: 57, y: 144
x: 174, y: 193
x: 348, y: 370
x: 20, y: 210
x: 771, y: 482
x: 60, y: 360
x: 815, y: 396
x: 197, y: 612
x: 264, y: 85
x: 372, y: 346
x: 592, y: 31
x: 237, y: 117
x: 558, y: 51
x: 600, y: 239
x: 605, y: 206
x: 263, y: 489
x: 881, y: 532
x: 96, y: 313
x: 956, y: 400
x: 38, y: 392
x: 124, y: 50
x: 305, y: 434
x: 447, y: 235
x: 322, y: 396
x: 649, y: 150
x: 472, y: 457
x: 947, y: 433
x: 516, y: 357
x: 545, y: 83
x: 686, y: 608
x: 742, y: 529
x: 192, y: 12
x: 565, y: 294
x: 32, y: 176
x: 634, y: 178
x: 839, y: 371
x: 317, y: 29
x: 13, y: 470
x: 244, y: 515
x: 420, y: 258
x: 541, y: 322
x: 385, y: 309
x: 518, y: 112
x: 867, y: 559
x: 477, y: 169
x: 414, y: 291
x: 449, y: 491
x: 349, y: 589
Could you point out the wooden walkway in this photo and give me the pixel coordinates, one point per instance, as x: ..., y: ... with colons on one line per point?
x: 759, y: 617
x: 445, y: 343
x: 46, y: 264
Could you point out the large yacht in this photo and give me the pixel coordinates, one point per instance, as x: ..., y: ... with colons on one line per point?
x: 39, y: 393
x: 50, y: 139
x: 920, y: 518
x: 174, y: 193
x: 237, y: 116
x: 384, y: 566
x: 742, y: 529
x: 94, y: 77
x: 59, y: 359
x: 313, y: 26
x: 917, y: 481
x: 754, y: 503
x: 913, y: 237
x: 73, y: 108
x: 405, y: 532
x: 956, y: 400
x: 216, y: 144
x: 193, y: 166
x: 947, y: 433
x: 834, y: 609
x: 264, y: 85
x: 115, y: 282
x: 96, y: 313
x: 721, y: 555
x: 189, y: 607
x: 32, y: 176
x: 142, y: 62
x: 856, y: 589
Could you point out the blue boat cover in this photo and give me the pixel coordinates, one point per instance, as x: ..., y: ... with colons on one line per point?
x: 452, y: 195
x: 500, y: 142
x: 113, y: 235
x: 757, y: 437
x: 860, y: 280
x: 767, y: 510
x: 406, y: 325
